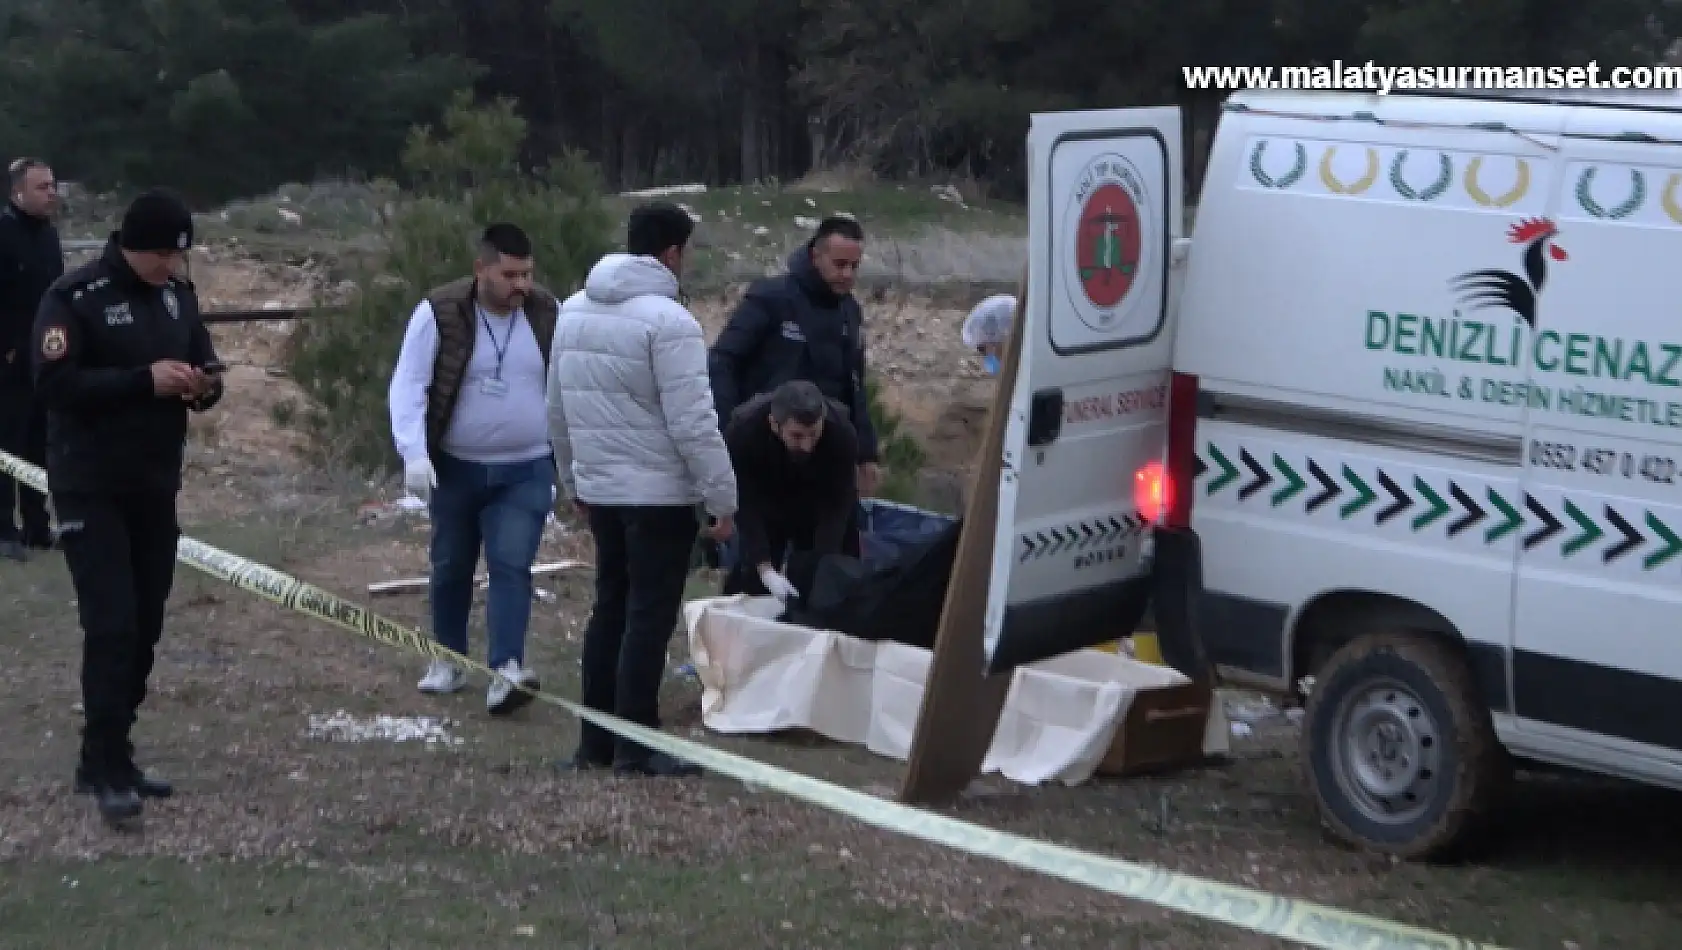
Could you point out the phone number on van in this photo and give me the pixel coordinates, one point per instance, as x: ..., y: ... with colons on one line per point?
x: 1563, y: 456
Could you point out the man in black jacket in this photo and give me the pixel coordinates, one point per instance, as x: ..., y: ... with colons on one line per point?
x: 120, y: 356
x: 794, y: 453
x: 30, y: 260
x: 805, y: 324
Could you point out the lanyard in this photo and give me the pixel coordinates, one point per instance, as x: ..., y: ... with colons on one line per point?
x: 502, y: 350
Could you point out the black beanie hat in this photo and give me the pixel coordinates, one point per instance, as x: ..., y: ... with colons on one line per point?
x: 157, y: 221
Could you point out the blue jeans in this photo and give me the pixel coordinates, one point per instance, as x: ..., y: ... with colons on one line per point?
x: 503, y: 508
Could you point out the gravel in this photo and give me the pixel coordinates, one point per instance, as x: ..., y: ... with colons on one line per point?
x: 344, y: 727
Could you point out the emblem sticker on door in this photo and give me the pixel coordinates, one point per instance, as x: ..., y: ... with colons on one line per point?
x: 1108, y: 217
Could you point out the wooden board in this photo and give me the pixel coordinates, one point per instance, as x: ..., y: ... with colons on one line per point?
x: 961, y: 707
x: 421, y: 583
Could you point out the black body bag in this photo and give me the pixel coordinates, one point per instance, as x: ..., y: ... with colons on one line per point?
x: 895, y: 592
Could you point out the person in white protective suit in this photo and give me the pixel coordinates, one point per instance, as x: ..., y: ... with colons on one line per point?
x: 988, y: 327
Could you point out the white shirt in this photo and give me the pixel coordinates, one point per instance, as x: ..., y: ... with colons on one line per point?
x: 491, y: 425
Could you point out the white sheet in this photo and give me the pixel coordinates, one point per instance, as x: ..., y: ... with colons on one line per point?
x: 759, y: 676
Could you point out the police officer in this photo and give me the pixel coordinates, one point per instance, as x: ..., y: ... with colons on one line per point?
x: 30, y: 260
x: 120, y: 356
x: 805, y: 324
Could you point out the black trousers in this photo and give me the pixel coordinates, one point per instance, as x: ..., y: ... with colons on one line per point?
x: 23, y: 432
x: 120, y: 548
x: 642, y: 564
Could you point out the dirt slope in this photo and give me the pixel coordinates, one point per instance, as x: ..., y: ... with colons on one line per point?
x: 929, y: 377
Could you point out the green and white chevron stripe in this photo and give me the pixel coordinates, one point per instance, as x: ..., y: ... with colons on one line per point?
x: 1439, y: 506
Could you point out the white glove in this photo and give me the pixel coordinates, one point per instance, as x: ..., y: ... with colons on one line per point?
x: 777, y: 584
x: 419, y: 479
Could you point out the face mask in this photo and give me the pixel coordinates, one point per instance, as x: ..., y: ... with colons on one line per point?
x: 990, y: 363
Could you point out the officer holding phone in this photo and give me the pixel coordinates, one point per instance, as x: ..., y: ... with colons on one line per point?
x: 120, y: 356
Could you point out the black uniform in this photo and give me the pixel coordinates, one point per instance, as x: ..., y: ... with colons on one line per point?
x: 794, y: 327
x: 114, y: 460
x: 30, y: 260
x: 806, y: 506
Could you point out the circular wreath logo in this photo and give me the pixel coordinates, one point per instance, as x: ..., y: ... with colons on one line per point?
x: 1108, y: 210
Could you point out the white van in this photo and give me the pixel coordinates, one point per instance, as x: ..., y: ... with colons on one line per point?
x: 1399, y: 427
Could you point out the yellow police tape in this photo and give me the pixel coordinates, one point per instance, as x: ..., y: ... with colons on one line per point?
x: 1310, y: 924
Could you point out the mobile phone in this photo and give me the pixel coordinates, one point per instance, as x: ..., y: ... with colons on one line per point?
x: 214, y: 367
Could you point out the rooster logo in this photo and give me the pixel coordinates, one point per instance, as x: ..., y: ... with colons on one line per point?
x: 1499, y: 288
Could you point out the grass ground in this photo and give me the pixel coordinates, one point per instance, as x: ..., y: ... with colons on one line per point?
x: 279, y: 840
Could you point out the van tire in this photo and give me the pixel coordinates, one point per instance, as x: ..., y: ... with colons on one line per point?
x: 1407, y: 708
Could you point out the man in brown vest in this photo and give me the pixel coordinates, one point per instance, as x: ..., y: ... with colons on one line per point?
x: 468, y: 417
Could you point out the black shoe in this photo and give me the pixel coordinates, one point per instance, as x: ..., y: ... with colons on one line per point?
x: 580, y: 762
x: 143, y: 786
x: 152, y: 787
x: 657, y: 765
x: 117, y: 805
x: 13, y: 550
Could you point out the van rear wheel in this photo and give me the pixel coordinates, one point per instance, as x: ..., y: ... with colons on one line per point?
x: 1399, y: 748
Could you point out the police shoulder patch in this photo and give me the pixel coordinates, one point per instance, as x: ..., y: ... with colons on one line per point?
x: 54, y: 343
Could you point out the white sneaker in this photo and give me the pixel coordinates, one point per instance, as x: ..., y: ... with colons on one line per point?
x: 443, y: 676
x: 503, y: 698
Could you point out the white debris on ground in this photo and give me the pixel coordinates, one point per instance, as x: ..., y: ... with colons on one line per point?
x: 1250, y: 710
x: 1247, y: 713
x: 949, y: 193
x: 343, y: 727
x: 666, y: 191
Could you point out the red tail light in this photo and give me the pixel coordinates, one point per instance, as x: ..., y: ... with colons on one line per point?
x: 1162, y: 489
x: 1153, y: 491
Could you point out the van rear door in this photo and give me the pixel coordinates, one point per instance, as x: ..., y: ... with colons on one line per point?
x: 1088, y: 415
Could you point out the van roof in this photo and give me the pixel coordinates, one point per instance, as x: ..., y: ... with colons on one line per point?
x: 1342, y: 103
x: 1651, y: 115
x: 1659, y: 99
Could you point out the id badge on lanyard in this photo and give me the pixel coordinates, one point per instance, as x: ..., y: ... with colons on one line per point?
x: 494, y: 385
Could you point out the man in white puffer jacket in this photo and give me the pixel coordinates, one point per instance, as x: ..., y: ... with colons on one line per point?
x: 637, y: 446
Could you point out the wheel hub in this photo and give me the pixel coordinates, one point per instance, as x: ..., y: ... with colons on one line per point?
x: 1386, y: 753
